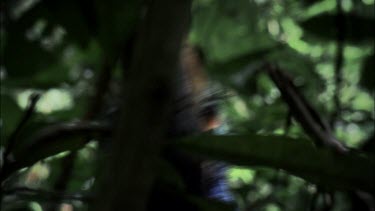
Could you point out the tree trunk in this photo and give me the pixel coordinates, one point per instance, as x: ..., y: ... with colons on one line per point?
x: 148, y: 92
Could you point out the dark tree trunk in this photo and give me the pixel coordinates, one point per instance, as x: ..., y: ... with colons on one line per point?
x: 148, y: 93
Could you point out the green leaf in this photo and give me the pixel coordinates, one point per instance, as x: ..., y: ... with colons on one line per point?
x: 357, y: 29
x: 296, y: 156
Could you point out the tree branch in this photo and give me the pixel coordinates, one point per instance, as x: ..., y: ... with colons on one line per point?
x: 296, y: 156
x: 48, y: 195
x: 310, y: 120
x: 50, y: 141
x: 33, y: 99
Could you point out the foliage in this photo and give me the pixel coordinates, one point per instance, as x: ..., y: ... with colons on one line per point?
x: 64, y: 49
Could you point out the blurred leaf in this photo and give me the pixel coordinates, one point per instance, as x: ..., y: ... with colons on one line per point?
x: 23, y: 58
x: 73, y: 66
x: 363, y: 8
x: 79, y: 108
x: 227, y: 30
x: 357, y: 29
x: 368, y: 73
x: 297, y: 156
x: 293, y: 61
x: 75, y: 16
x: 237, y: 64
x: 272, y: 117
x: 84, y: 170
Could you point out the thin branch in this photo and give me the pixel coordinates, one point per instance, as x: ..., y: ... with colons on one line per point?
x: 11, y: 143
x: 58, y: 131
x: 310, y: 120
x: 49, y: 138
x: 47, y: 194
x: 33, y: 99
